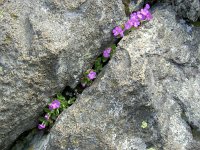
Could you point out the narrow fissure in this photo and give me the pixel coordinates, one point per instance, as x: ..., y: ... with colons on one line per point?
x: 24, y: 140
x: 69, y: 95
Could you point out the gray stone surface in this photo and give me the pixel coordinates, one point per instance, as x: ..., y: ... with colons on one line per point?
x: 153, y: 77
x: 189, y: 9
x: 44, y: 46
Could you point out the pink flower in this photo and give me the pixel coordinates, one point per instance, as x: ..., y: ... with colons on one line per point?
x: 92, y: 75
x: 41, y: 126
x: 147, y: 6
x: 118, y: 31
x: 106, y: 53
x: 135, y: 20
x: 140, y: 15
x: 128, y: 25
x: 54, y: 105
x: 47, y: 116
x: 145, y: 13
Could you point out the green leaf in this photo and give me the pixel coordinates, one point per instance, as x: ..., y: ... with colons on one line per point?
x: 71, y: 101
x: 112, y: 52
x: 54, y: 117
x: 42, y: 119
x: 99, y: 68
x: 85, y: 80
x: 47, y: 110
x: 60, y: 97
x: 126, y: 32
x: 46, y: 123
x: 144, y: 124
x: 113, y: 47
x: 63, y: 105
x: 97, y: 63
x: 57, y: 112
x: 86, y: 73
x: 104, y: 59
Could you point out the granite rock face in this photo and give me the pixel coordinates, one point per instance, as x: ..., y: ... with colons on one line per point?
x: 153, y: 77
x: 44, y: 46
x: 189, y: 9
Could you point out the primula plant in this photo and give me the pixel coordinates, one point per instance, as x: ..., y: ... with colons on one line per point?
x: 60, y: 103
x: 53, y: 110
x: 91, y: 74
x: 135, y: 20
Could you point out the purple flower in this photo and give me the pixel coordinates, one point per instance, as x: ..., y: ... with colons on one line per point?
x: 134, y: 16
x: 106, y: 53
x: 149, y: 16
x: 92, y: 75
x: 128, y: 25
x: 47, y: 116
x: 41, y: 126
x: 147, y: 6
x: 118, y: 31
x: 140, y: 15
x: 146, y: 14
x: 54, y: 105
x: 135, y: 20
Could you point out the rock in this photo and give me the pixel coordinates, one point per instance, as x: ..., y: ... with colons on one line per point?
x: 153, y: 77
x: 189, y: 9
x: 45, y: 46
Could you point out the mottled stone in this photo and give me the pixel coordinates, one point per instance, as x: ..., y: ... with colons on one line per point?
x: 153, y: 77
x: 44, y: 46
x: 189, y: 9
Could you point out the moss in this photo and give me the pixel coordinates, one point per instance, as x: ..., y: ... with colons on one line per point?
x: 196, y: 24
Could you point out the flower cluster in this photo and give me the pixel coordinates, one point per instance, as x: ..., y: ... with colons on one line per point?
x: 53, y: 110
x: 136, y: 18
x: 91, y: 74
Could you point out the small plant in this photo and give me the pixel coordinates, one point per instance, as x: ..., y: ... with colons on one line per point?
x: 60, y: 103
x: 135, y: 20
x: 90, y: 75
x: 53, y: 110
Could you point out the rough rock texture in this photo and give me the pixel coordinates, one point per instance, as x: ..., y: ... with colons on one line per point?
x: 44, y: 46
x: 189, y: 9
x: 153, y: 77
